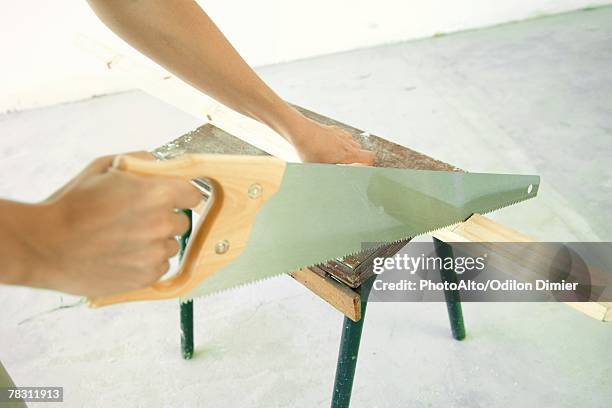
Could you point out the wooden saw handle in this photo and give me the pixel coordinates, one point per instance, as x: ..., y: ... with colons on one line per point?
x: 241, y: 185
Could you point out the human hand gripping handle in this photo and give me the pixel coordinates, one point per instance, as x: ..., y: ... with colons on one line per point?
x: 227, y: 222
x: 106, y: 231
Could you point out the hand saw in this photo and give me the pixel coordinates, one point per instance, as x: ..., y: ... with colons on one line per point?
x: 267, y: 217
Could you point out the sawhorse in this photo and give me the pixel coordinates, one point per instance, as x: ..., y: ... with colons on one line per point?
x: 351, y: 331
x: 353, y: 302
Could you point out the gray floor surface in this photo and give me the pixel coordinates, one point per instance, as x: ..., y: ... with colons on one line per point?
x: 530, y: 97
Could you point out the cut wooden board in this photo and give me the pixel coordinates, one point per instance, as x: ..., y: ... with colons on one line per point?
x: 481, y: 229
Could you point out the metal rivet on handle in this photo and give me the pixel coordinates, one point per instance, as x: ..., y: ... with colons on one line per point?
x: 255, y: 190
x: 222, y: 246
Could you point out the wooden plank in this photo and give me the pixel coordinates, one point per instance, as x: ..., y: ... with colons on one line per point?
x: 163, y: 85
x: 481, y: 229
x: 333, y: 292
x: 597, y: 310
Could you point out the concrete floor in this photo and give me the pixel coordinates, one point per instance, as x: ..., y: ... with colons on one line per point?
x: 531, y: 97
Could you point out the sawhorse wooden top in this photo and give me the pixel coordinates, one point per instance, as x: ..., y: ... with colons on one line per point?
x: 335, y: 282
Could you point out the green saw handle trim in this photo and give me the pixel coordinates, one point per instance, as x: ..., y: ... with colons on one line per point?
x: 241, y: 185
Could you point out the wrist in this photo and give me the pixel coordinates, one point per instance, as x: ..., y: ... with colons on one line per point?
x: 285, y: 120
x: 29, y: 230
x: 14, y: 250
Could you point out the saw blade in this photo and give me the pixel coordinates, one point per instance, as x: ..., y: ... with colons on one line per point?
x: 325, y: 212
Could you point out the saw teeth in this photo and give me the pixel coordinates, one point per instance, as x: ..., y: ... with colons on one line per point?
x: 375, y: 248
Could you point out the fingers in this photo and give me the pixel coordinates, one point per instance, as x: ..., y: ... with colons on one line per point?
x: 171, y: 247
x: 165, y: 192
x: 355, y: 153
x: 103, y: 163
x: 184, y: 194
x: 155, y: 260
x: 99, y: 165
x: 366, y: 157
x: 155, y: 273
x: 180, y: 224
x: 354, y: 144
x: 359, y: 156
x: 167, y: 248
x: 141, y: 155
x: 161, y: 224
x: 162, y: 269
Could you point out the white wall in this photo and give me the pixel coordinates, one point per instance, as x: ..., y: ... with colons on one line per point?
x: 43, y: 64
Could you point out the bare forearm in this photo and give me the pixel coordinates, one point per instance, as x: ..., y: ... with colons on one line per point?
x: 181, y: 37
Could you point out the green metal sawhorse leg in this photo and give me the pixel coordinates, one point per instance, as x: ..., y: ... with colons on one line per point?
x: 453, y: 300
x: 187, y: 329
x: 349, y: 349
x: 186, y: 307
x: 351, y: 331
